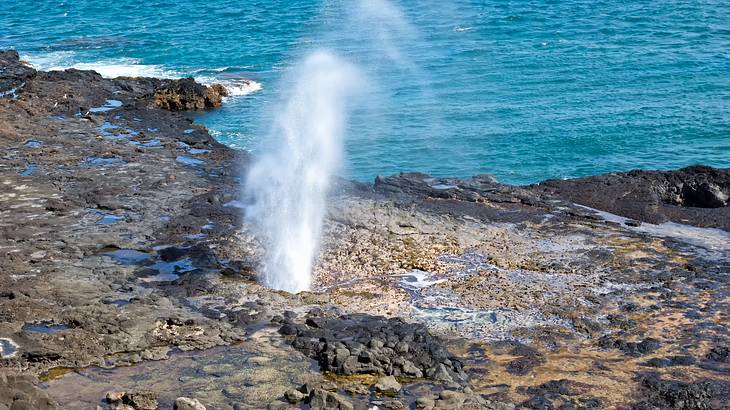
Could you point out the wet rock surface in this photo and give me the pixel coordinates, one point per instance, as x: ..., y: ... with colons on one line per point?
x: 133, y: 271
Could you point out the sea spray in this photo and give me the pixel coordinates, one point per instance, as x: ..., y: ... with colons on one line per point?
x: 287, y: 186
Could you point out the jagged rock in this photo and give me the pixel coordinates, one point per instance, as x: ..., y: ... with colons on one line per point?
x: 643, y: 347
x: 294, y: 396
x: 355, y: 389
x: 187, y: 95
x: 449, y: 399
x: 671, y: 394
x: 388, y: 386
x: 425, y: 403
x: 20, y: 392
x: 498, y: 405
x: 14, y: 73
x: 365, y: 344
x: 186, y: 403
x: 145, y: 400
x: 114, y: 396
x: 276, y: 405
x: 320, y: 399
x: 670, y: 361
x: 719, y: 354
x: 390, y: 404
x: 696, y: 195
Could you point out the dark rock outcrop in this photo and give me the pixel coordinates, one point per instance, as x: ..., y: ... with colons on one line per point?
x: 20, y: 392
x: 146, y: 400
x: 671, y: 361
x: 563, y: 391
x: 365, y: 344
x: 14, y: 72
x: 671, y: 394
x: 187, y: 95
x: 696, y: 195
x: 719, y: 354
x: 641, y: 348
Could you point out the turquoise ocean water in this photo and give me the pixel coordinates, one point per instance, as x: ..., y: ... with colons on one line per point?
x: 525, y: 90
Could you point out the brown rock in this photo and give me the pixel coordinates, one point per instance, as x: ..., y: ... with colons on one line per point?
x: 388, y: 386
x: 186, y: 403
x: 145, y: 400
x: 114, y: 396
x: 187, y: 95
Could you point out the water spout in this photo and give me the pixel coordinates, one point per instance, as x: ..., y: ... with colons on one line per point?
x: 289, y: 184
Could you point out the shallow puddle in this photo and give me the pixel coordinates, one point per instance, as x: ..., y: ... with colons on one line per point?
x: 29, y: 170
x: 127, y: 256
x: 109, y: 219
x: 108, y: 106
x: 198, y: 151
x: 8, y: 348
x: 104, y: 161
x: 188, y: 161
x: 153, y: 143
x: 33, y: 144
x: 42, y: 327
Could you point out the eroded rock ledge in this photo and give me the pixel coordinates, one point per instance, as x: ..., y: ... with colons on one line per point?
x: 695, y: 195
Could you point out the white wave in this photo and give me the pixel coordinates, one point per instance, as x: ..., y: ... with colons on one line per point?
x: 45, y: 61
x: 123, y: 68
x: 132, y: 67
x: 234, y: 139
x: 112, y: 68
x: 217, y: 70
x: 460, y: 29
x: 236, y: 87
x: 220, y: 69
x: 241, y: 87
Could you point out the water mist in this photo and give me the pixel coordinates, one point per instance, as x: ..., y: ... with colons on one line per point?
x: 289, y: 184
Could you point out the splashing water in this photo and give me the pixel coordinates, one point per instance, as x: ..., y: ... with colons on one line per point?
x: 289, y: 184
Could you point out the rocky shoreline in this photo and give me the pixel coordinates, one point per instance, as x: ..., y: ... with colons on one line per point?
x: 130, y: 281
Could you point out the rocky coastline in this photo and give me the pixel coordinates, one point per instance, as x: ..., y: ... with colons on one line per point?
x: 130, y: 281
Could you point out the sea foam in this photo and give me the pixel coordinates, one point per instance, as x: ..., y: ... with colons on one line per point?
x: 110, y: 68
x: 133, y: 67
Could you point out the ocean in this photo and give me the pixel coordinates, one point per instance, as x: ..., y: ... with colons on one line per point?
x: 525, y: 90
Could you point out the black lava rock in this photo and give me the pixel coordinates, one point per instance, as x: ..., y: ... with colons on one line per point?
x: 361, y: 344
x: 673, y: 394
x: 670, y: 361
x: 641, y: 348
x: 719, y: 354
